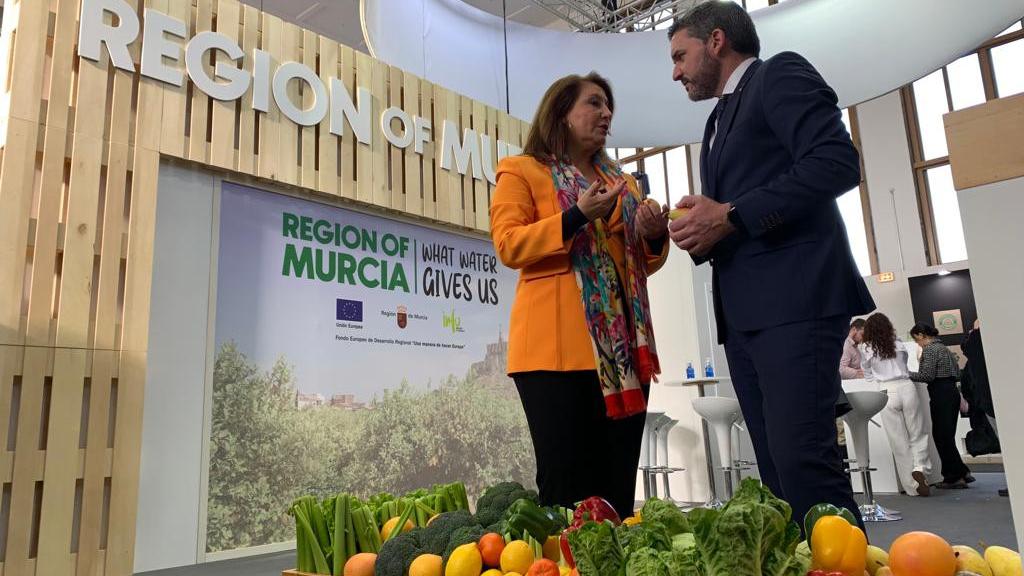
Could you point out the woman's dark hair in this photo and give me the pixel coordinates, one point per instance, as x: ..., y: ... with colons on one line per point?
x: 549, y: 134
x: 729, y: 17
x: 922, y: 329
x: 880, y: 336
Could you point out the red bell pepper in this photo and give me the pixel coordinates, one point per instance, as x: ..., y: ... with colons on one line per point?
x: 594, y: 509
x: 597, y: 509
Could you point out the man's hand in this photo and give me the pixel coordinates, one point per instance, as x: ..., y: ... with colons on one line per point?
x: 702, y: 227
x: 651, y: 220
x: 860, y: 373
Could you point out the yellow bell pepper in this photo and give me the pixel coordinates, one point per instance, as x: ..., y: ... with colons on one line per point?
x: 838, y: 546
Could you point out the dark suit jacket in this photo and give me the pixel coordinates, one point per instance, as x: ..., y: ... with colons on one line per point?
x: 782, y: 156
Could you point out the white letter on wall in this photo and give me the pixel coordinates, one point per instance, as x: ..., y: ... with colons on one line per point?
x: 93, y: 31
x: 487, y: 158
x: 405, y: 139
x: 260, y: 80
x: 297, y: 70
x: 464, y: 153
x: 195, y: 53
x: 156, y: 47
x: 342, y: 110
x: 422, y: 133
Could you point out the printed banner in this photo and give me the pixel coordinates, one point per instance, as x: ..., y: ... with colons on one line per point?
x: 356, y: 354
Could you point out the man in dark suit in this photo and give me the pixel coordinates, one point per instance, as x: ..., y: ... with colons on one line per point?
x: 775, y: 157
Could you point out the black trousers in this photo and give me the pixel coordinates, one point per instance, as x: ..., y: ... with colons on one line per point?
x: 945, y: 409
x: 787, y: 382
x: 580, y: 451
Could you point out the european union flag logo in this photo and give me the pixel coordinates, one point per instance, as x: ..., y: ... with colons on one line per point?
x: 351, y: 310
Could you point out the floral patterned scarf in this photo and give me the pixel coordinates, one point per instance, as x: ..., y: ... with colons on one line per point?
x: 617, y: 311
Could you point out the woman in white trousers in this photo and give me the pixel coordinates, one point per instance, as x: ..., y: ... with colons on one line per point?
x: 904, y: 418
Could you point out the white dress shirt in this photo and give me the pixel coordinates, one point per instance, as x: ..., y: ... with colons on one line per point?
x: 730, y: 87
x: 884, y: 370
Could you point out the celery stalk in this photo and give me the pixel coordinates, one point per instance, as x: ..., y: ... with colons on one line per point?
x: 338, y: 544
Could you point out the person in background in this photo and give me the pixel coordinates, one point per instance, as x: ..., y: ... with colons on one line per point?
x: 978, y: 391
x: 849, y: 364
x: 938, y: 368
x: 884, y: 360
x: 581, y: 345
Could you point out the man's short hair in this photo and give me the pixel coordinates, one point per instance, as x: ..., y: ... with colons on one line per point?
x: 858, y: 324
x: 729, y: 16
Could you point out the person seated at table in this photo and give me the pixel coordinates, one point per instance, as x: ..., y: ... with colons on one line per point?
x: 884, y: 360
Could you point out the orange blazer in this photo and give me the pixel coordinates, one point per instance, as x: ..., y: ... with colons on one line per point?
x: 547, y: 330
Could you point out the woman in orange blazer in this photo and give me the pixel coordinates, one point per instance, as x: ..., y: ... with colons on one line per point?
x: 581, y: 346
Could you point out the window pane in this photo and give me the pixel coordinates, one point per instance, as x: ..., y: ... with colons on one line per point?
x: 930, y: 99
x: 949, y: 230
x: 846, y: 120
x: 1013, y: 28
x: 851, y: 208
x: 654, y: 167
x: 756, y: 5
x: 678, y: 174
x: 613, y: 153
x: 965, y: 82
x: 1006, y: 62
x: 629, y: 168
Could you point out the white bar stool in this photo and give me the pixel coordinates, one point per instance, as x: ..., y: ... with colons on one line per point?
x: 665, y: 468
x: 649, y: 452
x: 720, y: 413
x: 865, y: 404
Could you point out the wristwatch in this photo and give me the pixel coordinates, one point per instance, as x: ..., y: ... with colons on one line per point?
x: 735, y: 220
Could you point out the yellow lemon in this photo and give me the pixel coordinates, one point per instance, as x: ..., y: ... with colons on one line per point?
x: 464, y: 561
x: 491, y: 572
x: 426, y: 565
x: 677, y: 213
x: 516, y: 557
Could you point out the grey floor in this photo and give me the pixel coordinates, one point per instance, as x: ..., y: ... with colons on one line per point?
x: 975, y: 517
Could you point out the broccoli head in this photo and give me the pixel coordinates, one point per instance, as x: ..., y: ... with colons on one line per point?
x: 463, y: 535
x: 491, y: 505
x: 397, y: 554
x: 436, y: 536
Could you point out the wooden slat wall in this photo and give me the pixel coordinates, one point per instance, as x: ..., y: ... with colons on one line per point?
x: 79, y: 159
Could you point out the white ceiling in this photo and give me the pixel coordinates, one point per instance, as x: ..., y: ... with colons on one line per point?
x: 339, y: 19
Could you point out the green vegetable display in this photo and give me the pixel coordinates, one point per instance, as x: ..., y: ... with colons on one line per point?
x: 492, y: 504
x: 752, y: 535
x: 596, y: 549
x: 328, y: 533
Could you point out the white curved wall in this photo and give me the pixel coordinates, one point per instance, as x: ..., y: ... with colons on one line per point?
x: 863, y: 48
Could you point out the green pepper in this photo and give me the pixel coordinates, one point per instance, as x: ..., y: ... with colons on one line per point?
x: 821, y: 510
x: 525, y: 517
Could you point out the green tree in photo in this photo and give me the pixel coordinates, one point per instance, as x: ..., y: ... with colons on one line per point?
x: 265, y: 452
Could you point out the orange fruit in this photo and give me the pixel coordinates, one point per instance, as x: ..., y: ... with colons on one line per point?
x: 491, y: 546
x: 360, y: 565
x: 921, y: 554
x: 543, y: 567
x: 426, y: 565
x: 391, y: 523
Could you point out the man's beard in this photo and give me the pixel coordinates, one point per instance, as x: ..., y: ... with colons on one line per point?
x: 705, y: 81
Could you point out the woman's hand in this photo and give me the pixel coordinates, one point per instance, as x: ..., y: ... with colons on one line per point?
x: 597, y: 200
x: 651, y: 220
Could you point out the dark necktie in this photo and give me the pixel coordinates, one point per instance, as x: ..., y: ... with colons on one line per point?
x: 717, y: 114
